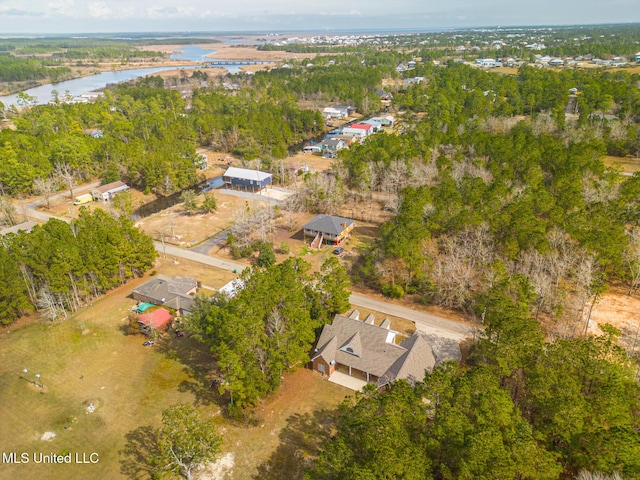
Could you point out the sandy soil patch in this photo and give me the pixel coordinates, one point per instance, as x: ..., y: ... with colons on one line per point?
x: 211, y: 72
x: 48, y: 436
x: 621, y: 311
x: 629, y: 165
x: 316, y: 163
x: 225, y: 51
x: 215, y: 470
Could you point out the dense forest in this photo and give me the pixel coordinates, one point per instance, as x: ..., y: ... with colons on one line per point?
x: 17, y: 69
x: 148, y: 139
x: 58, y: 267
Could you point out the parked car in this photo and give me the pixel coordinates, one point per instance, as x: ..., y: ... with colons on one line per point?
x: 148, y: 343
x: 338, y: 250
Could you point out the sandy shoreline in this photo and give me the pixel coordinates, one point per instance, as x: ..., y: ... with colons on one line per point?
x: 228, y: 51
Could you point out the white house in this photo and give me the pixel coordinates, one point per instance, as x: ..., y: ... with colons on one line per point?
x: 407, y: 82
x: 486, y: 62
x: 105, y: 193
x: 360, y: 130
x: 331, y: 112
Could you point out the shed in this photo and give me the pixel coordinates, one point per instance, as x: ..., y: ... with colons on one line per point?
x: 158, y: 320
x: 245, y: 179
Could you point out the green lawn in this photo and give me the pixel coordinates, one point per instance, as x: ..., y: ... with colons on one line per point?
x: 89, y: 359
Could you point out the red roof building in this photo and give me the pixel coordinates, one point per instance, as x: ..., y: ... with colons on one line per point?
x: 158, y: 320
x: 362, y: 126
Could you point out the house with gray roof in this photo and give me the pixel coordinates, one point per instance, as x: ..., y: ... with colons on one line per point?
x: 174, y: 292
x: 369, y: 352
x: 331, y: 146
x: 328, y: 229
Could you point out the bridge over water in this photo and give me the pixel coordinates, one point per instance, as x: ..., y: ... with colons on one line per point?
x: 215, y: 63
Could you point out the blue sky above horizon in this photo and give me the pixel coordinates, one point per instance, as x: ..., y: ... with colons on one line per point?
x: 89, y: 16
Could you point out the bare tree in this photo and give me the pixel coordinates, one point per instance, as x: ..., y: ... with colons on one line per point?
x: 45, y: 187
x: 8, y: 210
x: 66, y: 174
x: 585, y: 475
x: 50, y: 304
x: 632, y: 259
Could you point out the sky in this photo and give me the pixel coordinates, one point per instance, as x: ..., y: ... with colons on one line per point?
x: 93, y: 16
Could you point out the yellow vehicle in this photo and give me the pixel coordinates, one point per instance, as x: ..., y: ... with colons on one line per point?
x: 83, y: 199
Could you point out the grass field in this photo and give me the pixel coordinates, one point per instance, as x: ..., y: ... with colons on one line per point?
x: 88, y: 359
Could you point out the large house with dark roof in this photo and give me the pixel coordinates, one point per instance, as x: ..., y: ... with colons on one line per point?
x: 328, y: 229
x: 173, y: 292
x: 369, y: 352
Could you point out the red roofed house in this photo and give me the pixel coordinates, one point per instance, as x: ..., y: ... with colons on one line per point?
x: 157, y: 321
x: 360, y: 130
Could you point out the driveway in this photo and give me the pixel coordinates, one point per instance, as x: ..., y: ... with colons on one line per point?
x: 346, y: 381
x: 425, y: 322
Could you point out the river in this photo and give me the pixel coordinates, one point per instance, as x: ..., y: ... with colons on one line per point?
x: 79, y: 86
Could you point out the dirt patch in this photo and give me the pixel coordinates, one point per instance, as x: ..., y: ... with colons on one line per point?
x: 621, y: 311
x: 216, y: 470
x: 315, y: 162
x: 186, y: 230
x: 626, y: 164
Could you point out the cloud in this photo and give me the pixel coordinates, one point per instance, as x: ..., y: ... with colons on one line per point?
x: 350, y: 13
x: 63, y: 7
x: 14, y: 12
x: 170, y: 12
x: 99, y: 10
x: 216, y: 14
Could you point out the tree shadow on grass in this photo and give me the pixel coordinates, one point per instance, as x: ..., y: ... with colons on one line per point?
x: 136, y: 456
x: 300, y: 443
x: 198, y: 364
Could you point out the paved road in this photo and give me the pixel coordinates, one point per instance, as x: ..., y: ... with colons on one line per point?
x: 172, y: 251
x: 31, y: 209
x: 425, y: 322
x: 212, y: 242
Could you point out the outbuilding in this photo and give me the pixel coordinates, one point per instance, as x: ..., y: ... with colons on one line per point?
x: 156, y: 321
